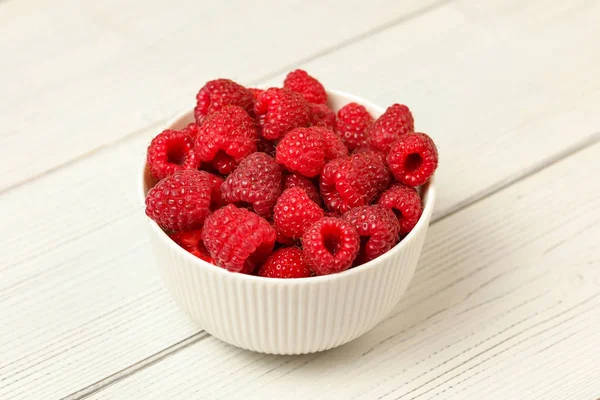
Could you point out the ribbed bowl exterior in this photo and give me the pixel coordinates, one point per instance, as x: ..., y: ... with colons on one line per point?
x: 289, y: 316
x: 286, y: 316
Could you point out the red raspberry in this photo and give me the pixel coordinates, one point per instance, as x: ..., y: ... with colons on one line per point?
x: 302, y: 151
x: 413, y: 159
x: 278, y: 111
x: 378, y: 228
x: 222, y: 164
x: 215, y: 194
x: 296, y: 180
x: 301, y: 82
x: 226, y: 137
x: 352, y: 123
x: 373, y: 153
x: 192, y: 242
x: 256, y: 183
x: 256, y: 92
x: 395, y: 122
x: 180, y: 202
x: 287, y: 262
x: 171, y: 151
x: 284, y: 240
x: 405, y: 202
x: 191, y: 130
x: 238, y: 239
x: 220, y: 93
x: 295, y: 212
x: 353, y: 181
x: 334, y: 146
x: 330, y: 245
x: 321, y: 115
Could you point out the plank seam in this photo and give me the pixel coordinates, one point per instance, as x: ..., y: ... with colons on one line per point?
x: 140, y: 365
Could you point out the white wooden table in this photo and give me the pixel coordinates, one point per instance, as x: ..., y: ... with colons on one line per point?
x: 505, y: 303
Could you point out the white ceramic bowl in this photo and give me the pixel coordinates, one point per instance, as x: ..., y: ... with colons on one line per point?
x: 288, y: 316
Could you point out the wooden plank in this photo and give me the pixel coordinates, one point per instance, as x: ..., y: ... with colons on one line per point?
x: 80, y: 298
x: 78, y: 75
x: 73, y: 299
x: 505, y: 304
x: 493, y: 82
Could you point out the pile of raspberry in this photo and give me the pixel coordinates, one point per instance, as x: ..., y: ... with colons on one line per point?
x: 275, y: 183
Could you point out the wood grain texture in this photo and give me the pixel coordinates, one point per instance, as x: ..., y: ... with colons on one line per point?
x: 501, y: 86
x: 493, y: 82
x: 505, y: 304
x: 79, y: 295
x: 84, y: 74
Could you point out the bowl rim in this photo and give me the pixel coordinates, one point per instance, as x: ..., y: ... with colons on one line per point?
x: 422, y: 223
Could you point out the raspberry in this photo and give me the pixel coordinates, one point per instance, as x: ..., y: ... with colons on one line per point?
x: 220, y: 93
x: 296, y: 180
x: 191, y: 130
x: 395, y: 122
x: 256, y: 183
x: 278, y: 111
x: 321, y: 115
x: 180, y: 202
x: 171, y: 151
x: 215, y: 194
x: 226, y: 137
x: 378, y: 229
x: 256, y: 92
x: 405, y: 202
x: 192, y: 242
x: 302, y: 151
x: 300, y: 82
x: 413, y: 159
x: 334, y: 146
x: 330, y: 245
x: 287, y: 262
x: 237, y: 239
x: 295, y: 212
x: 353, y: 121
x: 284, y: 240
x: 353, y: 181
x: 373, y: 153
